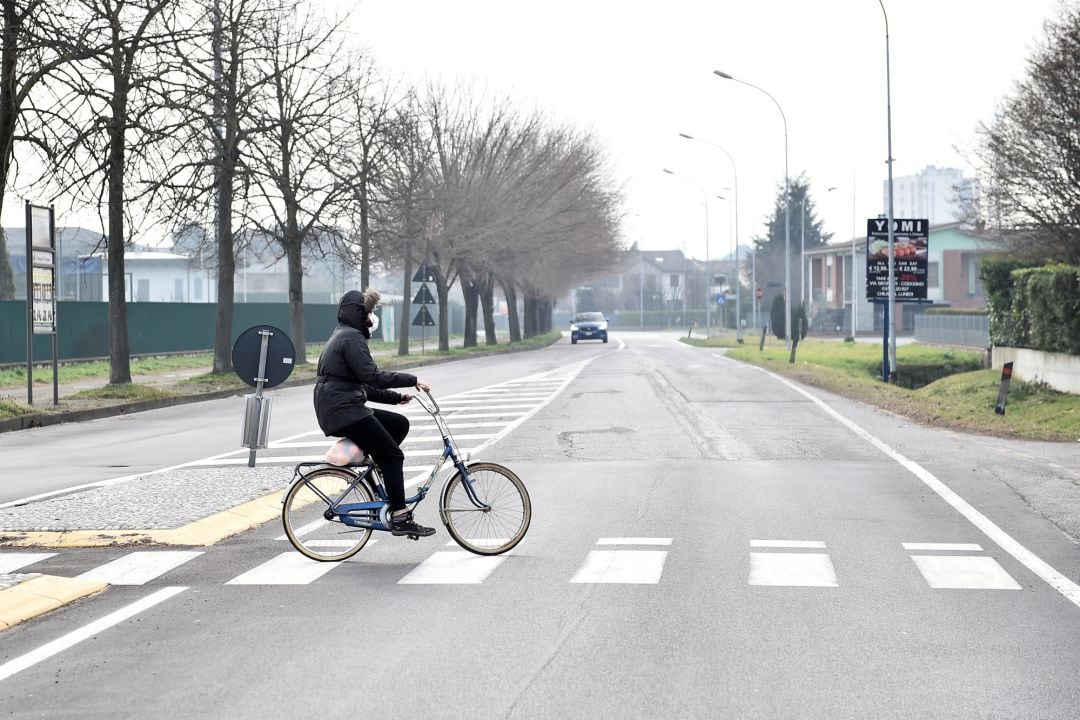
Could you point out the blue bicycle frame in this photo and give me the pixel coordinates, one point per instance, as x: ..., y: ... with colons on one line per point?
x: 375, y: 515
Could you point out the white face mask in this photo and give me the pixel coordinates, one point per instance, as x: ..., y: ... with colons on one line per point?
x: 374, y: 319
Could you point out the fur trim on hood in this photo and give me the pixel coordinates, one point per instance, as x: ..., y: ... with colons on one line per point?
x: 355, y: 306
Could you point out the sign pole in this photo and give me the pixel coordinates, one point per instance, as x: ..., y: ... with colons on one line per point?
x: 29, y: 307
x: 58, y: 278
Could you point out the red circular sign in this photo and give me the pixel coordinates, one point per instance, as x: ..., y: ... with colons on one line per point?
x: 760, y: 294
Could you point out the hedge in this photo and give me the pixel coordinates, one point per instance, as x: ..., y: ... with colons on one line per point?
x: 1033, y: 307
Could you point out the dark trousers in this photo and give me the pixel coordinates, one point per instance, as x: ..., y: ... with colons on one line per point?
x: 381, y: 435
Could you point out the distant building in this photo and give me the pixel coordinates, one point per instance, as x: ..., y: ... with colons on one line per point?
x: 940, y: 195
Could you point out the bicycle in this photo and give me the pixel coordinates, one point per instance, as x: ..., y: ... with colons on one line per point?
x: 330, y: 511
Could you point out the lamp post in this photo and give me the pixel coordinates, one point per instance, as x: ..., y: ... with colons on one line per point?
x: 891, y: 375
x: 705, y: 196
x: 753, y: 280
x: 787, y: 209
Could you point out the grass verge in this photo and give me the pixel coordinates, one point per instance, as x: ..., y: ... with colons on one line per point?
x: 964, y: 400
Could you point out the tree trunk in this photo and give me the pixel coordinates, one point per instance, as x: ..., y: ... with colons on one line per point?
x: 513, y: 321
x: 9, y: 111
x: 365, y: 234
x: 444, y: 311
x: 472, y: 298
x: 530, y: 316
x: 226, y: 272
x: 119, y: 350
x: 487, y: 301
x: 293, y: 243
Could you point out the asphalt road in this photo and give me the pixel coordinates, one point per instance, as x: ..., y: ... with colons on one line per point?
x: 707, y: 541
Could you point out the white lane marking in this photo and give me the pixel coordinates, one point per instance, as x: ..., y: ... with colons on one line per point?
x: 954, y: 547
x: 817, y: 544
x: 634, y: 541
x: 632, y: 567
x: 87, y: 631
x: 10, y: 562
x: 792, y: 570
x: 963, y: 572
x: 1065, y: 586
x: 453, y: 567
x: 288, y: 568
x: 140, y: 567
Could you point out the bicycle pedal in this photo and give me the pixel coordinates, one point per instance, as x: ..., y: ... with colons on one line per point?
x: 413, y: 537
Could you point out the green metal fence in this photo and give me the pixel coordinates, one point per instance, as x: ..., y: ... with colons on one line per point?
x: 83, y: 327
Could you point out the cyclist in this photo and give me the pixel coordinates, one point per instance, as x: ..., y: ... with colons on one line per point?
x: 348, y: 378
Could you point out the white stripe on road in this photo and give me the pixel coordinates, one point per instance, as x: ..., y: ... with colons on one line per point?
x: 634, y: 541
x: 288, y: 568
x: 963, y: 572
x: 633, y: 567
x: 955, y: 547
x: 88, y: 631
x: 10, y: 562
x: 453, y: 567
x: 792, y: 570
x: 816, y: 544
x: 1065, y: 586
x: 139, y: 567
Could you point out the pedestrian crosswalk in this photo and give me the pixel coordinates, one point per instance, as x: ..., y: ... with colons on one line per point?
x: 476, y: 418
x: 770, y: 563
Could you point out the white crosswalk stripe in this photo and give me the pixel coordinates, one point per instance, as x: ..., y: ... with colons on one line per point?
x: 453, y: 567
x: 288, y: 568
x: 788, y: 569
x: 12, y: 561
x: 140, y: 567
x: 628, y: 567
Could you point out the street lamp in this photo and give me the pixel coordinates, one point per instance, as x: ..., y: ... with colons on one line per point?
x: 704, y: 195
x: 787, y: 209
x: 753, y: 279
x: 892, y: 257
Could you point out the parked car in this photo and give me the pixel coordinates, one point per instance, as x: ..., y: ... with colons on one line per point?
x: 588, y: 326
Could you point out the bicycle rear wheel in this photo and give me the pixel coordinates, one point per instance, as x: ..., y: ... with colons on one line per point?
x: 306, y: 526
x: 493, y: 531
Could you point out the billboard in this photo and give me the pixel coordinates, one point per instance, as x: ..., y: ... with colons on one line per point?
x: 911, y: 247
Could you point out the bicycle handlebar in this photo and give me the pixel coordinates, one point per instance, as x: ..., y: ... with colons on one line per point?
x: 430, y: 404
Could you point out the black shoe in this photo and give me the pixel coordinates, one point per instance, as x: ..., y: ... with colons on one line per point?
x: 404, y: 525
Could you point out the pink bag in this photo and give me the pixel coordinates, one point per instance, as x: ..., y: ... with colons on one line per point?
x: 343, y: 452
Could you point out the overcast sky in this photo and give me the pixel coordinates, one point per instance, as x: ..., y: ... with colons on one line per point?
x: 638, y: 73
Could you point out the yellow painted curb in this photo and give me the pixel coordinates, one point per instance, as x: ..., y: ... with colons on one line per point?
x: 207, y: 531
x: 41, y: 594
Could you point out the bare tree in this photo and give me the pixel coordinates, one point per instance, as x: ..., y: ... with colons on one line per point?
x: 37, y: 40
x: 202, y: 170
x: 1029, y: 154
x: 290, y: 164
x: 102, y: 117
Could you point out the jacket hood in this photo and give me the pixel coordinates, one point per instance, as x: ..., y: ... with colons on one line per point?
x: 355, y: 306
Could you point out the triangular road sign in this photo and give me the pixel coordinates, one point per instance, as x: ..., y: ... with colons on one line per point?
x: 423, y: 274
x: 423, y: 318
x: 423, y: 297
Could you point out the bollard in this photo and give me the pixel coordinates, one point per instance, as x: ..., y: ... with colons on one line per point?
x: 1003, y: 393
x: 761, y: 345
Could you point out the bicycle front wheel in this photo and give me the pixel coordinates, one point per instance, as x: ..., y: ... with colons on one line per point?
x: 493, y: 530
x: 304, y: 515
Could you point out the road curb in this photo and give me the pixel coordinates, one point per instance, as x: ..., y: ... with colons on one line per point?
x: 41, y: 594
x: 207, y: 531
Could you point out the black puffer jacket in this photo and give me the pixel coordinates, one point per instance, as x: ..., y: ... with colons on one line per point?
x: 348, y: 376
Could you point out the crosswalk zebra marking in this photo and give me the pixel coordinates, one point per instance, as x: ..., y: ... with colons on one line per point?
x: 453, y: 567
x: 787, y: 569
x: 139, y: 567
x: 288, y: 568
x: 10, y: 562
x: 624, y: 567
x: 963, y: 572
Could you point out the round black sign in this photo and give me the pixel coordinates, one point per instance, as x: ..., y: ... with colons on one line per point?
x: 279, y: 355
